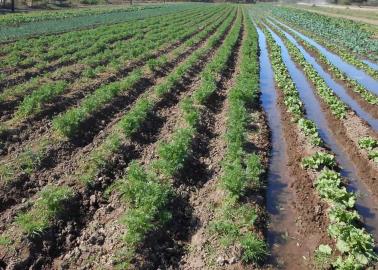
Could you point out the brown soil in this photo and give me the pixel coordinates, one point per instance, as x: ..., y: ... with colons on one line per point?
x: 75, y: 94
x: 92, y: 207
x: 164, y: 249
x: 201, y: 184
x: 347, y: 133
x: 312, y: 221
x: 24, y: 75
x: 159, y: 126
x: 99, y: 122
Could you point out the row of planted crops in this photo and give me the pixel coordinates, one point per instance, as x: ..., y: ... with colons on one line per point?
x: 286, y: 29
x: 141, y: 143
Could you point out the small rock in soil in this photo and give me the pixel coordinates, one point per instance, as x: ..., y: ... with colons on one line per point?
x: 109, y: 208
x: 92, y: 200
x: 14, y: 138
x: 221, y: 261
x: 232, y: 260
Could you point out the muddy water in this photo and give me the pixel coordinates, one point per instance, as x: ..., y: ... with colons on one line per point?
x: 282, y: 229
x: 366, y: 203
x: 350, y: 70
x: 336, y: 87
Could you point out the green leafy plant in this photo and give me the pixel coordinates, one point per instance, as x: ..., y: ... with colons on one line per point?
x: 323, y: 257
x: 241, y: 171
x: 173, y: 154
x: 132, y: 120
x: 5, y: 240
x: 374, y: 155
x: 309, y: 129
x: 368, y: 143
x: 338, y: 108
x: 358, y: 244
x: 32, y: 104
x: 328, y: 185
x: 68, y: 123
x: 143, y: 182
x: 48, y: 205
x: 254, y: 249
x: 319, y: 160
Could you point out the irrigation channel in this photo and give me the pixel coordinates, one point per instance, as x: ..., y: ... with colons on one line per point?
x: 281, y: 230
x: 281, y: 233
x: 350, y: 70
x: 371, y: 64
x: 366, y: 205
x: 336, y: 87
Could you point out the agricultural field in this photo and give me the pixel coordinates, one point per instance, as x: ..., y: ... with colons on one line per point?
x: 357, y: 13
x: 188, y: 136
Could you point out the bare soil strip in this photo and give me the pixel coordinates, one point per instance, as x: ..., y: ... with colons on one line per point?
x: 347, y: 132
x: 312, y: 221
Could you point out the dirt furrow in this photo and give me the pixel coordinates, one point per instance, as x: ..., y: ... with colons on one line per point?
x: 197, y: 183
x: 347, y: 133
x: 60, y: 157
x: 79, y: 87
x: 105, y: 220
x: 91, y: 199
x: 310, y: 210
x: 366, y: 106
x: 34, y: 128
x: 159, y: 126
x: 31, y: 127
x: 55, y: 64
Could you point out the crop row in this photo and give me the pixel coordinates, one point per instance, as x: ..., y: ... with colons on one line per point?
x: 141, y: 49
x: 19, y: 18
x: 147, y: 190
x: 291, y: 96
x: 337, y: 107
x: 131, y: 121
x: 347, y: 33
x: 112, y: 60
x: 96, y: 52
x: 51, y: 200
x: 92, y: 54
x: 343, y: 53
x: 57, y: 26
x: 30, y: 160
x: 38, y: 52
x: 355, y: 245
x: 68, y: 123
x: 235, y: 221
x: 371, y: 146
x: 355, y: 85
